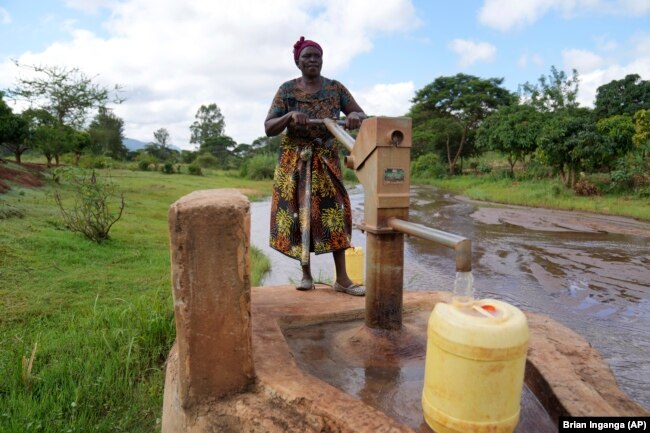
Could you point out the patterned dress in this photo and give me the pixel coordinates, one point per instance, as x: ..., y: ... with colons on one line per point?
x: 310, y: 208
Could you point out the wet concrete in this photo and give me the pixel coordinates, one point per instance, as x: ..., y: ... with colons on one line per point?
x: 589, y: 273
x: 389, y: 383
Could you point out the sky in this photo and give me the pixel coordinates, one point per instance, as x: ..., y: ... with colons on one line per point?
x: 172, y: 56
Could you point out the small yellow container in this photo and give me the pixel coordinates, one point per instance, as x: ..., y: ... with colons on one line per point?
x: 354, y: 264
x: 474, y: 368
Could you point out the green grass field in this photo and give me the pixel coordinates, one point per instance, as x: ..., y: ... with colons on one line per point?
x: 85, y: 328
x: 541, y: 193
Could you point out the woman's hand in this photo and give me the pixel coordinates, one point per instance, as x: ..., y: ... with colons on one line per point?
x: 353, y: 120
x: 298, y: 118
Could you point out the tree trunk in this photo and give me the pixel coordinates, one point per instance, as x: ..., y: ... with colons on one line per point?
x: 56, y: 159
x: 18, y: 154
x: 512, y: 163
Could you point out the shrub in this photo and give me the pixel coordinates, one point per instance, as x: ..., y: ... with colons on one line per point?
x: 428, y: 166
x: 206, y: 160
x: 91, y: 214
x: 484, y: 168
x: 535, y: 170
x: 259, y: 167
x: 144, y: 164
x: 168, y: 168
x: 194, y: 169
x: 586, y: 188
x: 92, y: 161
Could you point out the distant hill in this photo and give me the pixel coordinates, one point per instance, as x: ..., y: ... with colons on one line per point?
x: 133, y: 144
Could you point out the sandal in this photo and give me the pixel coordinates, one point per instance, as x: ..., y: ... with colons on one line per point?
x: 352, y: 289
x: 305, y: 284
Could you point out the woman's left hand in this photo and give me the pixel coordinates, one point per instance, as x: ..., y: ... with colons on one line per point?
x: 353, y: 120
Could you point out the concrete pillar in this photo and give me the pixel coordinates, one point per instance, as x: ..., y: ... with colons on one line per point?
x: 210, y: 255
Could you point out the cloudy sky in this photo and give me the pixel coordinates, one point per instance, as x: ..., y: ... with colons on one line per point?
x: 172, y: 56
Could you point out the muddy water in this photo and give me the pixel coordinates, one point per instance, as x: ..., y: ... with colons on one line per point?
x: 591, y: 273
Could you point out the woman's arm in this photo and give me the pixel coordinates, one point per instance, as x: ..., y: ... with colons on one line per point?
x: 275, y: 124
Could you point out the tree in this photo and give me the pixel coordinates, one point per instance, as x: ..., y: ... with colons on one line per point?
x: 209, y: 124
x: 617, y: 132
x: 569, y: 142
x: 66, y: 93
x: 626, y: 96
x: 162, y: 137
x: 641, y: 137
x: 13, y: 130
x: 512, y: 130
x: 107, y: 134
x: 463, y: 100
x: 552, y: 92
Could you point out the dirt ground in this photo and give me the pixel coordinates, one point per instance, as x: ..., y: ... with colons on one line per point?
x: 28, y: 175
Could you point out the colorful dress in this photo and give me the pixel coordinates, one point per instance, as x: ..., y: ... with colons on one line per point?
x: 310, y: 208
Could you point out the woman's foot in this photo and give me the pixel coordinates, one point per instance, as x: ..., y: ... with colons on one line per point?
x: 350, y: 289
x: 307, y: 283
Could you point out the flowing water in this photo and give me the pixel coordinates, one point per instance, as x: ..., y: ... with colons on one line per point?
x: 597, y: 284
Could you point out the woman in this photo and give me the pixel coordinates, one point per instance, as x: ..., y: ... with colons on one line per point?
x: 310, y: 208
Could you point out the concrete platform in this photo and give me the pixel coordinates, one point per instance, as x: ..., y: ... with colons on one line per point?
x: 568, y: 376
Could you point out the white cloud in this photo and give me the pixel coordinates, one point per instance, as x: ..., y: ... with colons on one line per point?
x: 5, y: 17
x: 173, y: 56
x: 639, y: 52
x: 526, y: 58
x: 508, y: 14
x: 88, y: 6
x: 581, y: 60
x: 386, y: 99
x: 471, y: 52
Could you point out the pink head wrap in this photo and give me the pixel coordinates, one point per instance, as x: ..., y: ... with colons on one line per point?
x: 302, y: 44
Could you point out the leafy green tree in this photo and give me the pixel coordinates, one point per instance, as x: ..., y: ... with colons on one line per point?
x: 512, y: 130
x: 617, y: 131
x: 641, y: 137
x: 81, y: 141
x: 209, y: 124
x: 162, y: 137
x: 569, y: 142
x: 161, y: 149
x: 14, y: 130
x: 461, y: 100
x: 107, y: 134
x: 553, y: 92
x: 626, y: 96
x: 66, y: 93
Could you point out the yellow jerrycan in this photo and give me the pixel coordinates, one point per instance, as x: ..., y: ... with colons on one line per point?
x: 354, y: 264
x: 474, y: 368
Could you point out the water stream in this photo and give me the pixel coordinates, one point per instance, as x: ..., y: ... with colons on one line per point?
x: 597, y: 284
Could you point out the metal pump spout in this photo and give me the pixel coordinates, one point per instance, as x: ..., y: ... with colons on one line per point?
x: 461, y: 245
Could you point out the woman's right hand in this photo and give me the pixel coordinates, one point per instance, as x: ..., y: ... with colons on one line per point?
x: 298, y: 118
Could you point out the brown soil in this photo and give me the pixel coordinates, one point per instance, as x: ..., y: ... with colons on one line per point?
x: 26, y: 175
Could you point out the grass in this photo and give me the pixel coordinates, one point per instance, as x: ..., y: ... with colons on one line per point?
x: 546, y: 193
x: 86, y: 328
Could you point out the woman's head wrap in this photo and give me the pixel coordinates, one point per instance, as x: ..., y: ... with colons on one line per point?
x: 302, y: 44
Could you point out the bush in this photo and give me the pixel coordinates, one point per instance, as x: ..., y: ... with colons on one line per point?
x: 428, y: 166
x: 484, y: 168
x: 144, y: 164
x: 168, y: 168
x: 259, y: 167
x: 91, y: 212
x: 92, y: 161
x: 194, y: 170
x: 206, y: 160
x: 585, y: 188
x: 535, y: 170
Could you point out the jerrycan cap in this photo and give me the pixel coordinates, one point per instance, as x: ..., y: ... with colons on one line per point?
x: 481, y: 309
x: 486, y: 322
